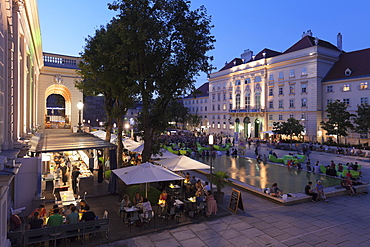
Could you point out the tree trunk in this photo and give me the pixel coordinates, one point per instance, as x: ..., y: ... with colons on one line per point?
x: 148, y: 143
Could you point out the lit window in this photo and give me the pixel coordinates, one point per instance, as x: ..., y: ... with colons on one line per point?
x: 280, y: 117
x: 224, y: 107
x: 304, y: 71
x: 364, y: 85
x: 280, y: 104
x: 291, y: 103
x: 291, y: 73
x: 224, y: 125
x: 346, y: 87
x: 329, y: 89
x: 364, y: 101
x: 346, y: 101
x: 304, y: 102
x: 281, y: 75
x: 303, y: 117
x: 291, y: 89
x: 304, y: 88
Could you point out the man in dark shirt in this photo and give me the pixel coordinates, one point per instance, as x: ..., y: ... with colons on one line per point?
x: 75, y: 175
x: 88, y: 215
x: 310, y: 192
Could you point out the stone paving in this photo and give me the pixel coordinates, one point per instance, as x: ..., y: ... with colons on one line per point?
x: 345, y: 221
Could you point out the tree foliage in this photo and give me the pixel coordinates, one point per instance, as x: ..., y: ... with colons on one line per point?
x: 362, y: 119
x: 178, y: 113
x: 167, y: 47
x: 338, y: 122
x: 194, y: 120
x: 291, y: 127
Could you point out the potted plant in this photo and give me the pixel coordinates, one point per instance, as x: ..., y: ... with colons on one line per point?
x: 220, y: 179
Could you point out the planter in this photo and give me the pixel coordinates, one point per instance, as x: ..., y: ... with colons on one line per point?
x: 219, y: 197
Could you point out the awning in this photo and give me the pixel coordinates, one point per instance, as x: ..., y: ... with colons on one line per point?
x: 62, y: 140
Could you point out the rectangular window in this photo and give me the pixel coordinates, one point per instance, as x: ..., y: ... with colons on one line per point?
x: 280, y: 117
x: 291, y: 103
x: 291, y: 115
x: 304, y: 88
x: 230, y: 106
x: 197, y: 101
x: 230, y: 96
x: 213, y: 107
x: 280, y: 104
x: 224, y: 116
x: 247, y: 81
x: 303, y: 117
x: 304, y: 102
x: 205, y: 108
x: 271, y: 104
x: 237, y: 82
x: 271, y: 91
x: 346, y: 101
x: 271, y: 77
x: 291, y: 89
x: 271, y: 117
x: 281, y: 75
x: 346, y: 87
x: 201, y: 101
x: 201, y: 108
x: 281, y: 91
x: 329, y: 89
x: 224, y: 96
x: 364, y: 85
x: 329, y: 101
x: 224, y: 107
x: 304, y: 72
x: 363, y: 136
x: 205, y: 100
x: 364, y: 101
x: 218, y: 107
x: 257, y: 79
x: 291, y: 74
x: 213, y: 97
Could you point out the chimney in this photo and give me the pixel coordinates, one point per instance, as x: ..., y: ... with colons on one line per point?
x: 339, y: 41
x: 247, y: 55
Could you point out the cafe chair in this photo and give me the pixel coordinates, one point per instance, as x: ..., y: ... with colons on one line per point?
x: 148, y: 218
x: 135, y: 219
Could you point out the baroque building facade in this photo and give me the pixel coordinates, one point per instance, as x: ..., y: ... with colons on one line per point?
x: 252, y: 92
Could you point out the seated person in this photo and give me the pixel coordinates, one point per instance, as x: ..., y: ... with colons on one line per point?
x: 88, y: 215
x: 340, y: 167
x: 138, y: 198
x: 199, y: 195
x: 42, y: 211
x: 52, y: 210
x: 125, y: 202
x: 275, y: 191
x: 198, y: 185
x: 83, y: 205
x: 309, y: 191
x: 211, y: 204
x: 35, y: 222
x: 146, y: 207
x: 347, y: 184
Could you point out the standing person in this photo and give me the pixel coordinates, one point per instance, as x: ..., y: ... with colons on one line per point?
x: 320, y: 191
x: 63, y: 168
x: 308, y: 165
x: 211, y: 204
x: 316, y: 167
x: 309, y: 191
x: 100, y: 173
x: 75, y: 175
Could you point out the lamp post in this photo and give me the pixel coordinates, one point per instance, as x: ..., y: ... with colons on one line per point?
x: 80, y: 106
x: 210, y: 142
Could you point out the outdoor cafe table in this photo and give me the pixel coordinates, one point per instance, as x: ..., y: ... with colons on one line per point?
x: 67, y: 198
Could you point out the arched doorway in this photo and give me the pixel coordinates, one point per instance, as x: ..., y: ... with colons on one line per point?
x: 257, y: 126
x: 237, y: 125
x: 57, y: 107
x: 246, y: 122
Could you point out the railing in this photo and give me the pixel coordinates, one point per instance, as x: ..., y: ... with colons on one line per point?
x: 55, y: 60
x: 249, y: 109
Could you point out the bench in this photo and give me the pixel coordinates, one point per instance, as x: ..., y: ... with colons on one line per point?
x: 55, y: 233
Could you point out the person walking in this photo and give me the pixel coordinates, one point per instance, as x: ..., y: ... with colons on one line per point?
x: 75, y: 175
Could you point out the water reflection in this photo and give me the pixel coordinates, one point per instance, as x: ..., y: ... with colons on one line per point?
x: 263, y: 175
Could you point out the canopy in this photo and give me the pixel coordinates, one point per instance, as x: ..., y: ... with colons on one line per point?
x: 181, y: 163
x: 268, y: 132
x: 131, y: 144
x: 145, y: 173
x: 101, y: 134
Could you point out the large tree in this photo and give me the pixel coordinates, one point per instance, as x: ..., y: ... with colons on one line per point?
x: 104, y: 71
x: 178, y: 113
x: 339, y: 120
x: 291, y: 127
x: 167, y: 45
x: 362, y: 119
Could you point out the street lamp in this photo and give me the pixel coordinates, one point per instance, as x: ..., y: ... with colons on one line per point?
x: 210, y: 142
x: 80, y: 106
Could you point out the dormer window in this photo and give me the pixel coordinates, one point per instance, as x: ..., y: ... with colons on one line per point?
x: 348, y: 72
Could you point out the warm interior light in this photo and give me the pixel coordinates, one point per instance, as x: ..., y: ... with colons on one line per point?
x: 210, y: 140
x: 80, y: 105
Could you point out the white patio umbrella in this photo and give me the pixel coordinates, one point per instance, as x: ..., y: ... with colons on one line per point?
x: 165, y: 154
x: 181, y: 163
x: 145, y: 173
x: 131, y: 145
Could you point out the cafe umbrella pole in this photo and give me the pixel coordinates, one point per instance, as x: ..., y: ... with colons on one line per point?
x: 210, y: 142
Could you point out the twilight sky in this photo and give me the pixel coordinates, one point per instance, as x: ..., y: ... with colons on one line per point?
x: 239, y: 24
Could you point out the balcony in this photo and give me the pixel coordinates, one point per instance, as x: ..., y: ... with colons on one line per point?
x: 248, y: 110
x: 61, y: 61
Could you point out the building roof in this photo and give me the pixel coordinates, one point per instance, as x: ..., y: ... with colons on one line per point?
x: 268, y: 53
x: 234, y: 62
x: 202, y: 91
x: 309, y: 41
x: 358, y: 63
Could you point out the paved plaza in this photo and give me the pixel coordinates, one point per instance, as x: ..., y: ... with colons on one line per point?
x: 345, y: 221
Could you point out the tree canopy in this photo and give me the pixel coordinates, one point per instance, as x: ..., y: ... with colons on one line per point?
x: 362, y: 119
x: 291, y: 127
x: 338, y: 122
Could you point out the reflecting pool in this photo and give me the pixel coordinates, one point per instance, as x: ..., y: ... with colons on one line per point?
x: 262, y: 175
